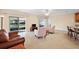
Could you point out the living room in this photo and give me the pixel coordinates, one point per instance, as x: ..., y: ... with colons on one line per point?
x: 54, y: 21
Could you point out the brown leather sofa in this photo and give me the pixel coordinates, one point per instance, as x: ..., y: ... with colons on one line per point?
x: 11, y: 41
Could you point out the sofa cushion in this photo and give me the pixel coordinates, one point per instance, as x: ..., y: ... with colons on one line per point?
x: 3, y: 36
x: 13, y: 35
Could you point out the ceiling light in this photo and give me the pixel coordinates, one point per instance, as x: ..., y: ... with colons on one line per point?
x: 46, y: 14
x: 1, y: 15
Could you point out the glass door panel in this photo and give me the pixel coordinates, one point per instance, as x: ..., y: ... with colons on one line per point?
x: 17, y: 24
x: 14, y: 23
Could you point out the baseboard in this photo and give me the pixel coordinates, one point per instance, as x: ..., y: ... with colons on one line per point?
x: 65, y: 30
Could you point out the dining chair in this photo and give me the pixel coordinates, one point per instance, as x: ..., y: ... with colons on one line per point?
x: 70, y: 31
x: 68, y: 28
x: 76, y: 33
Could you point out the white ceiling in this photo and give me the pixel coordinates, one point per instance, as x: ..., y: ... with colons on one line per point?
x: 41, y: 11
x: 34, y: 11
x: 51, y: 11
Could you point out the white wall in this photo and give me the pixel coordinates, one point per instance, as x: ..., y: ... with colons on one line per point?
x: 30, y: 19
x: 62, y: 21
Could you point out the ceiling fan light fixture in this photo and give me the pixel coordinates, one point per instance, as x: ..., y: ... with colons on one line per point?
x: 1, y: 15
x: 46, y: 14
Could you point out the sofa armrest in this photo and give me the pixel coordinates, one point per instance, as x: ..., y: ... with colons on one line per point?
x: 12, y: 37
x: 13, y: 33
x: 12, y: 43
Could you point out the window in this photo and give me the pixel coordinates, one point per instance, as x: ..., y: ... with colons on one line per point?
x: 42, y: 22
x: 17, y: 24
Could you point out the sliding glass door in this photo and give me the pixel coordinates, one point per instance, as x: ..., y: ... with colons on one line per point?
x: 17, y: 24
x: 21, y: 24
x: 14, y: 23
x: 42, y: 22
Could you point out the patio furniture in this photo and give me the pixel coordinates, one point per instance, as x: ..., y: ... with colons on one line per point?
x: 41, y: 33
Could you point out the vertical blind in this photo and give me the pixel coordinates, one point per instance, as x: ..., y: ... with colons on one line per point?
x: 0, y: 22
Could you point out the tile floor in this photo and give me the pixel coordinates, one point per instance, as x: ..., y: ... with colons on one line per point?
x: 58, y: 40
